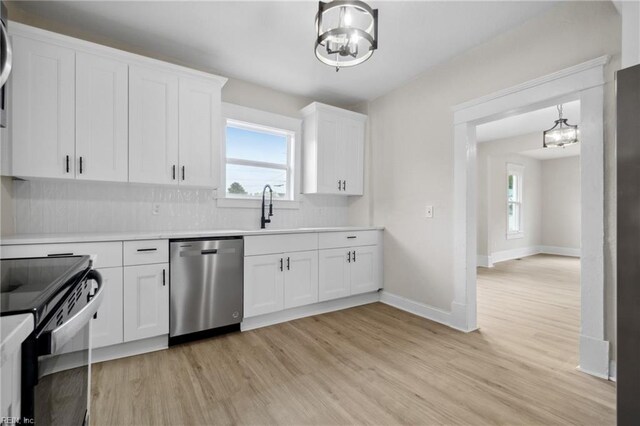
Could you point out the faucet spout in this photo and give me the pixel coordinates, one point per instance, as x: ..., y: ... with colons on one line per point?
x: 266, y: 219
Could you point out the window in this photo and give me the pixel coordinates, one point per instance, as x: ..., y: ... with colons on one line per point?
x: 514, y: 200
x: 257, y: 155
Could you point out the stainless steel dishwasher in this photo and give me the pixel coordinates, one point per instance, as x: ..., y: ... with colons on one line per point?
x: 206, y: 287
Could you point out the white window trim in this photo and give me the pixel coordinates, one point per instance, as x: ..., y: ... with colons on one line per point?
x: 518, y: 170
x: 245, y: 117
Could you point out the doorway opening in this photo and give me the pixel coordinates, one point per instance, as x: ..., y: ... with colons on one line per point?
x: 584, y: 82
x: 528, y: 237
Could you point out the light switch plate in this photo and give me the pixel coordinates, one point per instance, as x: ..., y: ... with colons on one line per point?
x: 429, y: 212
x: 155, y: 209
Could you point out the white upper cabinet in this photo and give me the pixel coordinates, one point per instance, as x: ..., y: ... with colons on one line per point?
x: 101, y: 118
x: 333, y: 150
x: 84, y: 111
x: 153, y: 126
x: 43, y: 108
x: 200, y: 118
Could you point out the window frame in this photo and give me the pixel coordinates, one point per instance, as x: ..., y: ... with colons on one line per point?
x: 518, y: 171
x: 254, y: 119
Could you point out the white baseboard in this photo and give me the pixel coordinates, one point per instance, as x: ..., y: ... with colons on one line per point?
x: 420, y: 309
x: 613, y: 370
x: 501, y: 256
x: 136, y: 347
x: 594, y: 357
x: 309, y: 310
x: 484, y: 261
x: 560, y: 251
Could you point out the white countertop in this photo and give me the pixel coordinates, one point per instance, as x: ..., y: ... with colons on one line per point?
x: 129, y: 236
x: 14, y: 329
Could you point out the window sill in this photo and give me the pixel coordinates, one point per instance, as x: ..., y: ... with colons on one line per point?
x: 239, y: 203
x: 515, y: 235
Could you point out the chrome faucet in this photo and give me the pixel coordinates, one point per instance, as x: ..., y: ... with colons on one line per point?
x: 264, y: 220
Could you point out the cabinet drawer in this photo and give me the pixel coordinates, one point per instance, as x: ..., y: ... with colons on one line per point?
x: 108, y: 254
x: 329, y: 240
x: 270, y: 244
x: 144, y: 252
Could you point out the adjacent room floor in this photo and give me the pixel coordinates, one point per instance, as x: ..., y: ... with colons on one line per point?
x: 375, y: 364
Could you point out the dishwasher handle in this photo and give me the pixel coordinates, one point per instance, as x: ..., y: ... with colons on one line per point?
x: 209, y: 251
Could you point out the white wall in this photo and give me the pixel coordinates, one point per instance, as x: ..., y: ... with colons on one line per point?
x: 560, y: 207
x: 411, y: 143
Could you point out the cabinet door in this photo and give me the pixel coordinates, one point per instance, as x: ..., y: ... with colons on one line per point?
x: 263, y: 284
x: 101, y: 118
x: 43, y: 105
x: 300, y: 278
x: 330, y: 154
x: 333, y: 274
x: 199, y: 133
x: 364, y: 269
x: 153, y: 126
x: 352, y: 136
x: 106, y: 328
x: 146, y: 301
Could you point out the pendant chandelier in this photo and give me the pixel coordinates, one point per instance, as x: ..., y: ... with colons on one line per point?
x: 347, y: 33
x: 561, y: 134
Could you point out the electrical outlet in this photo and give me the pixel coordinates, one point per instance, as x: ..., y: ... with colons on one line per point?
x: 155, y: 209
x: 429, y: 212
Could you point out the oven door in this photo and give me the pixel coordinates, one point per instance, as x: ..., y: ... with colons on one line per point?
x: 62, y: 392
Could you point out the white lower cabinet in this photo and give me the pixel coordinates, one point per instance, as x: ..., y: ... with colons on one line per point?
x: 301, y: 279
x: 146, y: 301
x: 275, y: 282
x: 263, y: 284
x: 349, y: 271
x: 106, y: 328
x: 334, y: 274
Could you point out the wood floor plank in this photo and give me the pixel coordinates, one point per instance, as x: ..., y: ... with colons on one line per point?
x: 375, y: 364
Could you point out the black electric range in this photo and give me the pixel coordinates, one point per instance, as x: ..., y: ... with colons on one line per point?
x: 63, y: 294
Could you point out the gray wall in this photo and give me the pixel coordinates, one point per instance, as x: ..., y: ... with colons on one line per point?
x: 560, y: 209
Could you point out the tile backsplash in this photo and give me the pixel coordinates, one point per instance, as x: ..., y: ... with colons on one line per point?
x: 61, y: 207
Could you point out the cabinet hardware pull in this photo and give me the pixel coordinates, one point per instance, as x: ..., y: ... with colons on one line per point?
x: 349, y: 258
x: 182, y: 172
x: 288, y: 263
x: 59, y: 254
x: 148, y: 249
x: 173, y: 172
x: 339, y: 185
x: 344, y: 185
x: 354, y: 255
x: 80, y: 165
x: 164, y: 281
x: 351, y: 237
x: 281, y: 263
x: 67, y: 164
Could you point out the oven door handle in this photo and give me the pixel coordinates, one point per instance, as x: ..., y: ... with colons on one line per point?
x: 61, y: 335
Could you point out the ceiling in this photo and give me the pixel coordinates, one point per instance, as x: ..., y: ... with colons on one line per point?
x: 271, y: 43
x: 553, y: 153
x: 530, y: 122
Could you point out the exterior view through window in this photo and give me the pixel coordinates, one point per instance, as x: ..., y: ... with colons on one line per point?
x: 257, y: 156
x: 514, y: 200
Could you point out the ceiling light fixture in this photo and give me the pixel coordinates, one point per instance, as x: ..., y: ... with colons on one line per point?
x: 347, y: 32
x: 561, y: 134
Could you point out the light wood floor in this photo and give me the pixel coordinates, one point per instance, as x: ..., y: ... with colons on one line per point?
x: 377, y: 365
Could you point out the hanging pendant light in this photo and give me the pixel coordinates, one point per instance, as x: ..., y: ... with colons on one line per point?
x: 347, y: 33
x: 561, y: 134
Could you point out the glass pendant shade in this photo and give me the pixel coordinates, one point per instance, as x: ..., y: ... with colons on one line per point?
x: 561, y: 134
x: 347, y: 33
